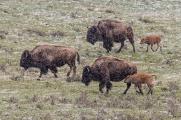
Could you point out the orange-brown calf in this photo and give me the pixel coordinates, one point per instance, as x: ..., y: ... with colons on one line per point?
x: 151, y: 40
x: 141, y: 78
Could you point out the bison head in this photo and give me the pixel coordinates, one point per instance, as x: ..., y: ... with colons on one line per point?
x: 86, y: 75
x: 142, y: 41
x: 132, y: 69
x: 93, y: 34
x: 127, y: 79
x: 25, y: 59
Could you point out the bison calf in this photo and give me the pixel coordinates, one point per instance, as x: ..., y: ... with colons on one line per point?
x: 50, y: 57
x: 106, y: 69
x: 139, y: 79
x: 151, y: 40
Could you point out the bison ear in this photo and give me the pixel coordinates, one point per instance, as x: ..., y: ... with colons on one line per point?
x: 26, y: 53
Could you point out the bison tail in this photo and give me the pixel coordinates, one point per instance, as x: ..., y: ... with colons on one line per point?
x: 78, y: 58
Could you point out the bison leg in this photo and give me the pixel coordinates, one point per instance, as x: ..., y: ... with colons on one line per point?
x: 42, y: 71
x: 101, y: 86
x: 40, y: 76
x: 150, y: 90
x: 54, y: 71
x: 132, y: 43
x: 72, y: 67
x: 122, y: 45
x: 153, y: 49
x: 158, y: 46
x: 136, y: 86
x: 140, y: 89
x: 128, y: 86
x: 147, y: 48
x: 74, y: 71
x: 108, y: 87
x: 68, y: 74
x: 107, y: 44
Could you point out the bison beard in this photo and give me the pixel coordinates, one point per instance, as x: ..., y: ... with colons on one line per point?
x: 106, y: 69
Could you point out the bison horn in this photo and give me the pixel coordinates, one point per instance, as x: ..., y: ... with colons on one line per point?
x: 88, y: 68
x: 26, y: 53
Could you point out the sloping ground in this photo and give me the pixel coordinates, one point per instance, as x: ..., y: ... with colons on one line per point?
x: 27, y: 23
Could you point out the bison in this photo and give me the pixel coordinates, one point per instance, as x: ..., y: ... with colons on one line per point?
x: 50, y: 57
x: 141, y: 78
x: 106, y: 69
x: 110, y: 31
x: 151, y: 40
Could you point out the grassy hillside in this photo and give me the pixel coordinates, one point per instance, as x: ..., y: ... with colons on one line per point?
x: 27, y: 23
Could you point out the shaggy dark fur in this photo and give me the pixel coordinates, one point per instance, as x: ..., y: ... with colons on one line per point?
x: 50, y: 57
x: 110, y: 31
x: 106, y: 69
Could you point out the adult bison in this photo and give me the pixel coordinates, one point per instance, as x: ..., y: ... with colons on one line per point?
x: 110, y: 31
x: 106, y: 69
x: 50, y: 57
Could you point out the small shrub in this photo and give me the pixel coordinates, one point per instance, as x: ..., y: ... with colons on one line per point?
x: 77, y: 78
x: 39, y: 106
x: 90, y: 9
x: 145, y: 20
x: 35, y: 32
x: 172, y: 107
x: 48, y: 84
x: 173, y: 86
x: 46, y: 117
x: 73, y: 15
x: 109, y: 11
x: 3, y: 34
x: 52, y: 100
x: 57, y: 34
x: 83, y: 101
x: 101, y: 113
x: 64, y: 100
x: 3, y: 68
x: 13, y: 99
x: 35, y: 98
x: 16, y: 77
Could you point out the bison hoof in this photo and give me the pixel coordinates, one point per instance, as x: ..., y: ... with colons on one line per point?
x: 38, y: 79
